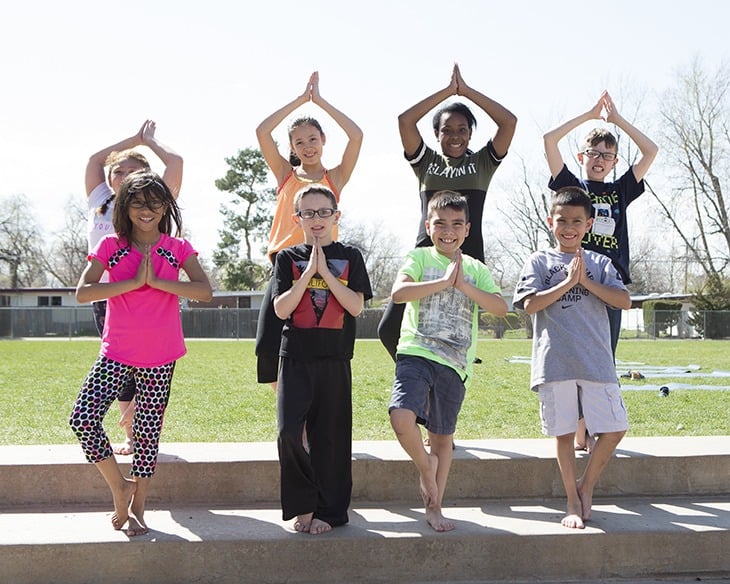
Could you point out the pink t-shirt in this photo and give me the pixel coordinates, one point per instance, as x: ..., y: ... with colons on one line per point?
x: 142, y: 327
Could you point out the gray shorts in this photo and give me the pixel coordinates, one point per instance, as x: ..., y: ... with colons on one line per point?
x: 602, y: 405
x: 432, y: 391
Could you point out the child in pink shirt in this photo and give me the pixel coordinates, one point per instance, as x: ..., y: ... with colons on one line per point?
x: 142, y: 336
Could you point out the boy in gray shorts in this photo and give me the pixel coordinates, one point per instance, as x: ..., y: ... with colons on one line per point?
x: 442, y: 289
x: 566, y: 290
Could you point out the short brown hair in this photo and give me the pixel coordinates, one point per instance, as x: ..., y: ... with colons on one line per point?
x: 448, y: 200
x: 598, y: 135
x: 572, y: 197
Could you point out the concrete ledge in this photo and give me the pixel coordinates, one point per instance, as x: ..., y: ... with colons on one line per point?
x: 495, y: 540
x: 243, y: 474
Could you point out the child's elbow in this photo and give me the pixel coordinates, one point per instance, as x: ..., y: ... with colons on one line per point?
x: 81, y: 295
x: 625, y: 303
x: 396, y: 297
x: 500, y: 309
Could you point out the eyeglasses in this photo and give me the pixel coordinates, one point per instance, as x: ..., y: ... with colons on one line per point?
x: 310, y: 213
x: 597, y: 154
x: 152, y: 204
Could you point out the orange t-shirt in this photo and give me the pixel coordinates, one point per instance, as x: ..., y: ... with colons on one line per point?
x: 284, y: 231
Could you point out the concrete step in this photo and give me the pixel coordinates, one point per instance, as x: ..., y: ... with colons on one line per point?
x: 661, y: 511
x: 495, y: 540
x: 248, y: 474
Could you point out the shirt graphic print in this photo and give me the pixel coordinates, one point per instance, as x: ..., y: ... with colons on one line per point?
x: 323, y: 310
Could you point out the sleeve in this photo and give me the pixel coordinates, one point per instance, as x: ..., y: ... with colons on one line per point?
x: 416, y: 158
x: 609, y: 274
x: 185, y: 251
x: 102, y: 250
x: 281, y: 281
x: 565, y: 178
x: 359, y: 279
x: 493, y: 154
x: 413, y: 266
x: 630, y: 187
x: 99, y: 196
x: 528, y: 282
x: 485, y: 281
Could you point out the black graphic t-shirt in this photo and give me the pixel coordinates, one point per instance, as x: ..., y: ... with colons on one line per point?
x: 320, y: 327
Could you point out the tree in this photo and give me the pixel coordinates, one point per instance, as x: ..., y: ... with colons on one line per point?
x: 67, y: 253
x: 20, y: 247
x: 527, y: 214
x: 380, y: 252
x: 247, y: 219
x: 696, y: 137
x: 711, y: 317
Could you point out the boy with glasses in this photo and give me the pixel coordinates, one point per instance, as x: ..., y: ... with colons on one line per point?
x: 318, y: 289
x: 609, y: 234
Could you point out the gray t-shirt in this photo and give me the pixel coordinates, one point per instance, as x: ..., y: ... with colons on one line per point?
x: 571, y: 337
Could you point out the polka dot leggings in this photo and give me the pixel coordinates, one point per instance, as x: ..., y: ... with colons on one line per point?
x: 101, y: 387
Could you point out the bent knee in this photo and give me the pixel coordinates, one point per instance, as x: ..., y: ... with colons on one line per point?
x: 402, y: 419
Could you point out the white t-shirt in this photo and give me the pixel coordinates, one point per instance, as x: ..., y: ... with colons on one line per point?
x: 99, y: 225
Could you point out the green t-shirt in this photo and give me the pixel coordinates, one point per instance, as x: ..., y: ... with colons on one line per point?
x: 443, y: 327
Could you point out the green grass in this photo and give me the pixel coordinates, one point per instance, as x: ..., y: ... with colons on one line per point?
x: 215, y: 396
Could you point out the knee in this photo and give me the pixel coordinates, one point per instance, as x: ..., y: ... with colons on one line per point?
x: 402, y: 420
x: 290, y: 434
x: 79, y: 424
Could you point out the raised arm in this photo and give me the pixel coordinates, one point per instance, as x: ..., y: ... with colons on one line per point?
x: 145, y: 137
x: 506, y: 121
x: 341, y: 173
x: 408, y: 121
x: 279, y: 165
x: 647, y: 148
x: 172, y: 160
x: 95, y: 166
x: 552, y: 138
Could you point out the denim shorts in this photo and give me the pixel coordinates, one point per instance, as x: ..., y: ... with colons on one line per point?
x: 434, y: 392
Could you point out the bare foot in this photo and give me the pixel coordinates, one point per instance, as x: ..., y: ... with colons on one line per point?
x: 318, y: 526
x: 121, y: 504
x: 573, y: 521
x: 573, y: 518
x: 427, y: 483
x: 586, y: 501
x: 126, y: 448
x: 136, y: 528
x: 437, y: 521
x: 303, y: 523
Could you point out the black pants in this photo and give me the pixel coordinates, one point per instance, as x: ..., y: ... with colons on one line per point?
x: 389, y: 326
x: 317, y: 394
x: 614, y: 321
x: 268, y: 339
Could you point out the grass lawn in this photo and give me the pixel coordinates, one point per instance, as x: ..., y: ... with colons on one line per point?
x: 215, y: 396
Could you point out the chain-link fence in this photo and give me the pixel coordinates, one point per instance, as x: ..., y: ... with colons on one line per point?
x: 240, y: 323
x: 213, y: 323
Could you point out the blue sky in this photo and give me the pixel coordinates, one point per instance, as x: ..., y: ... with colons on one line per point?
x: 80, y: 75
